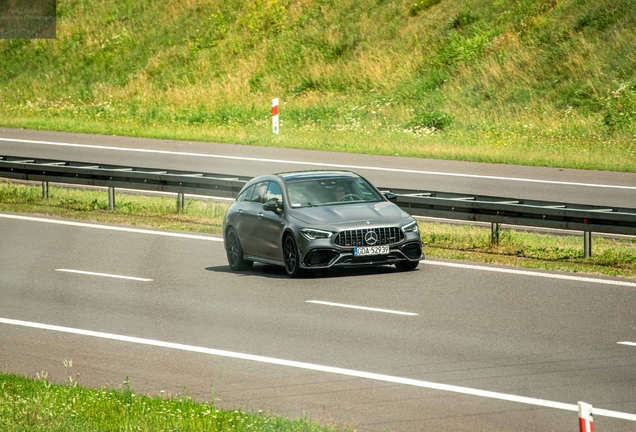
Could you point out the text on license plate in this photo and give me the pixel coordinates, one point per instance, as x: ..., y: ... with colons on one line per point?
x: 371, y: 250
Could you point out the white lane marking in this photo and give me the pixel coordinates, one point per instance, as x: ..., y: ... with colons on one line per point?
x: 202, y: 155
x: 104, y: 275
x: 627, y: 343
x: 321, y: 368
x: 530, y: 273
x: 112, y: 228
x: 360, y: 307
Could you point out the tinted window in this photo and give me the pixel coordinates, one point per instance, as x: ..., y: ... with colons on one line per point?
x: 246, y: 194
x: 274, y: 193
x: 259, y: 193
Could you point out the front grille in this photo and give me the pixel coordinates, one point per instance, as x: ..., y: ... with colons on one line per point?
x: 355, y: 238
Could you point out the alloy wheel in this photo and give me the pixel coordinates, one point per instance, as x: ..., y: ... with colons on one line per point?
x: 291, y: 256
x: 232, y: 253
x: 235, y: 253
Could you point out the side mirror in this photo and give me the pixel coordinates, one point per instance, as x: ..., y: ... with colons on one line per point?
x: 390, y: 196
x: 272, y: 205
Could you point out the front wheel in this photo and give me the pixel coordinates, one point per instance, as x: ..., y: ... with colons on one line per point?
x: 235, y: 253
x: 292, y: 266
x: 406, y: 265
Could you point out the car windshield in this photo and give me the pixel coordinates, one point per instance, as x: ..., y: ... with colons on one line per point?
x: 332, y: 191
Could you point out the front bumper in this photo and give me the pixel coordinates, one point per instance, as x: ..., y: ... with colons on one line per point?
x: 321, y: 257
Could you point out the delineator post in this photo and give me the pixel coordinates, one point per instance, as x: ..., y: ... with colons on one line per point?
x: 275, y: 116
x: 586, y: 421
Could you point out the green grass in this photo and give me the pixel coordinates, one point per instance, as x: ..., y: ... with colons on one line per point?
x: 530, y: 82
x: 40, y: 405
x: 615, y: 257
x: 611, y: 256
x: 136, y: 210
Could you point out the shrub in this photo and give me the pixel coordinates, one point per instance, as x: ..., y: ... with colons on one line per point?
x: 620, y: 108
x: 430, y: 119
x: 463, y: 19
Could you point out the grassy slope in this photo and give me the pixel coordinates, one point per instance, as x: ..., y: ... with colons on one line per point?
x: 538, y: 82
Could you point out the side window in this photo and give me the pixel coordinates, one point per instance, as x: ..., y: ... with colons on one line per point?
x: 246, y: 194
x: 259, y: 192
x: 274, y: 193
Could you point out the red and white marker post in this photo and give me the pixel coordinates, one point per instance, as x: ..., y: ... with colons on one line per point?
x: 586, y: 421
x: 275, y: 116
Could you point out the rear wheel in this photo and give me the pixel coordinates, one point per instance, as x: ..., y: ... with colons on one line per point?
x: 292, y: 267
x: 235, y: 253
x: 406, y: 265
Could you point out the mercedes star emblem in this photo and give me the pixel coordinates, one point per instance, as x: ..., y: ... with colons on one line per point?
x: 371, y: 237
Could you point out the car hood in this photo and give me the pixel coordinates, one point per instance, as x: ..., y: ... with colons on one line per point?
x: 381, y: 212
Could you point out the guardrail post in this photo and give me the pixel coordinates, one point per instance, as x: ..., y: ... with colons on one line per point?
x: 180, y: 202
x: 587, y: 244
x: 494, y: 236
x: 45, y: 190
x: 111, y: 198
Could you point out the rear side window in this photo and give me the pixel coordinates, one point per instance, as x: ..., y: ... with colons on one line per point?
x: 246, y: 194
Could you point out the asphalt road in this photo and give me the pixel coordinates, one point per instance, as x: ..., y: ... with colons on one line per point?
x: 478, y: 345
x: 481, y: 350
x: 548, y: 184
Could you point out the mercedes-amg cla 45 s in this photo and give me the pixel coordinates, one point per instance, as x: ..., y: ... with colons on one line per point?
x: 317, y: 220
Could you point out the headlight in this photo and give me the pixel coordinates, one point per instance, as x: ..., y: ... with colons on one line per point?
x: 411, y: 227
x: 313, y: 234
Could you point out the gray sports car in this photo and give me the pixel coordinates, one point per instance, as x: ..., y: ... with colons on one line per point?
x: 316, y: 220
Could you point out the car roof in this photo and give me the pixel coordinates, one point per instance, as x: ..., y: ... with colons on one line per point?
x: 311, y: 175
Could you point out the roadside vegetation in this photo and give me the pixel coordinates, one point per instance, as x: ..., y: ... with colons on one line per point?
x: 615, y: 257
x: 529, y: 82
x: 38, y: 404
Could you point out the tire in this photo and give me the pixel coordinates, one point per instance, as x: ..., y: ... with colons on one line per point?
x: 235, y: 253
x: 406, y: 265
x: 290, y: 256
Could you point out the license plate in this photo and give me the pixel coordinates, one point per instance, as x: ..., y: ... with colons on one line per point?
x: 371, y: 250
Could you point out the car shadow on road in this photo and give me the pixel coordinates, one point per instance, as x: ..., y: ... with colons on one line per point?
x: 277, y: 272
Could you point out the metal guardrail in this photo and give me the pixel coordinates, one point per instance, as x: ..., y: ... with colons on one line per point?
x: 543, y: 214
x: 495, y: 210
x: 117, y: 176
x: 520, y: 212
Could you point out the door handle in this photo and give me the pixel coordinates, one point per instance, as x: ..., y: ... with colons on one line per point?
x: 240, y: 211
x: 260, y: 215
